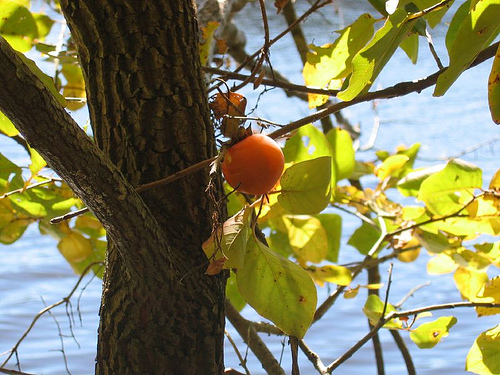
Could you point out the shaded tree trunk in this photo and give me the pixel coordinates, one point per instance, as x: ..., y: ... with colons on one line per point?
x: 149, y: 114
x: 160, y: 313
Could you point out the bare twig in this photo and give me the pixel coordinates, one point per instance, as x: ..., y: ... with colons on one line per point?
x: 294, y: 348
x: 411, y: 293
x: 410, y: 367
x: 3, y: 370
x: 243, y: 361
x: 394, y: 314
x: 47, y: 309
x: 313, y: 357
x: 252, y: 339
x: 23, y: 189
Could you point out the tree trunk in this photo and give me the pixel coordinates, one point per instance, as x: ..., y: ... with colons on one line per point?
x: 149, y: 114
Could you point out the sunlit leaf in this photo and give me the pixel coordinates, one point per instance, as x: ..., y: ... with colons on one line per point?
x: 17, y: 25
x: 368, y: 63
x: 28, y: 206
x: 37, y: 162
x: 469, y: 282
x: 89, y: 225
x: 343, y: 151
x: 7, y: 127
x: 427, y: 335
x: 332, y: 62
x: 410, y: 184
x: 364, y: 238
x: 310, y: 143
x: 491, y: 251
x: 494, y: 88
x: 483, y: 356
x: 441, y: 264
x: 490, y: 292
x: 307, y: 237
x: 74, y: 87
x: 277, y: 289
x: 477, y: 30
x: 43, y: 23
x: 333, y: 226
x: 208, y: 36
x: 445, y: 192
x: 373, y: 309
x: 391, y: 166
x: 305, y: 186
x: 410, y: 46
x: 331, y: 273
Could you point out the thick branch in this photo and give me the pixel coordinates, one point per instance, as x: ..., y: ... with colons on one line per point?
x: 70, y: 152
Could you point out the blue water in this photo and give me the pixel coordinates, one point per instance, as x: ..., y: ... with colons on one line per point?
x: 32, y: 268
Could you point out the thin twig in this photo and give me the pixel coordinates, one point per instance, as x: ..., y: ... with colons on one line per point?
x: 394, y: 314
x: 410, y: 367
x: 23, y: 189
x: 46, y: 309
x: 294, y: 348
x: 313, y: 357
x: 4, y: 370
x: 411, y: 293
x: 243, y: 362
x: 389, y: 282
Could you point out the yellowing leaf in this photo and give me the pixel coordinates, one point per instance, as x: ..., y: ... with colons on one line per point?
x: 331, y: 273
x: 13, y: 230
x: 494, y: 88
x: 7, y: 127
x: 343, y: 150
x: 495, y: 181
x: 373, y: 309
x: 277, y: 289
x: 391, y: 166
x: 477, y: 30
x: 305, y: 186
x: 37, y: 162
x: 326, y: 65
x: 427, y: 335
x: 369, y: 61
x: 490, y: 292
x: 469, y: 282
x: 307, y: 237
x: 75, y: 248
x: 17, y: 25
x: 74, y: 89
x: 208, y: 36
x: 408, y: 256
x: 232, y: 242
x: 447, y: 191
x: 483, y: 356
x: 441, y: 264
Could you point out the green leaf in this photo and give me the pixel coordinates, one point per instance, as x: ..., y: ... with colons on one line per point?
x: 392, y: 166
x: 27, y: 206
x: 364, y: 238
x: 373, y: 309
x: 410, y: 46
x: 333, y: 226
x: 277, y: 289
x: 233, y: 243
x: 483, y: 356
x: 309, y: 143
x: 456, y: 22
x: 494, y: 88
x: 477, y: 30
x: 47, y: 81
x: 307, y: 237
x: 333, y: 61
x: 74, y: 87
x: 368, y: 63
x: 7, y: 127
x: 427, y: 335
x: 17, y: 25
x: 13, y: 231
x: 233, y: 294
x: 331, y: 273
x: 344, y: 154
x: 410, y: 184
x: 306, y: 186
x: 43, y: 23
x: 447, y: 191
x: 37, y: 162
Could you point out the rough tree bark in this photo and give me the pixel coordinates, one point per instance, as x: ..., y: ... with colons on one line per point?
x: 160, y: 313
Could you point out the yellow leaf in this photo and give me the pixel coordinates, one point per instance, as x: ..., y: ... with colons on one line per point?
x: 390, y: 166
x: 469, y: 282
x: 307, y: 237
x: 483, y: 357
x: 490, y: 292
x: 75, y: 248
x: 332, y: 274
x: 440, y: 264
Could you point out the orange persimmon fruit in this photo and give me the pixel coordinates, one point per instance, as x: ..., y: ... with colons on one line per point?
x: 253, y: 165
